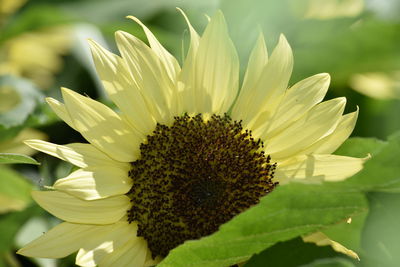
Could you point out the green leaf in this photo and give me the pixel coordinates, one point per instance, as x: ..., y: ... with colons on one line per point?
x: 34, y: 17
x: 360, y: 147
x: 316, y: 43
x: 382, y: 171
x: 331, y: 262
x: 290, y: 211
x: 33, y: 228
x: 291, y: 253
x: 24, y: 100
x: 16, y: 158
x: 7, y: 134
x: 11, y: 223
x: 380, y: 240
x: 15, y: 191
x: 348, y: 234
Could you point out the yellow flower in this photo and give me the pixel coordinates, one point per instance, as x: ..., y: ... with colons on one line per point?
x: 36, y: 55
x: 379, y: 85
x: 330, y: 9
x: 187, y: 150
x: 8, y: 7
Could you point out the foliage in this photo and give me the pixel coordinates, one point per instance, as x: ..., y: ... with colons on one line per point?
x: 271, y: 231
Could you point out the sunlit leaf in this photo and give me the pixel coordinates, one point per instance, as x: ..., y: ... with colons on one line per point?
x: 14, y: 191
x: 290, y: 211
x: 16, y: 158
x: 360, y: 147
x: 380, y: 241
x: 349, y: 233
x: 382, y: 171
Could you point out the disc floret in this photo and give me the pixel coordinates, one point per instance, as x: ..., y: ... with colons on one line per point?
x: 194, y: 176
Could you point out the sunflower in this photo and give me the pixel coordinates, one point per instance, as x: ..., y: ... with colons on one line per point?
x: 187, y: 150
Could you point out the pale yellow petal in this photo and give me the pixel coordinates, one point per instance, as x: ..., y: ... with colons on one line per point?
x: 150, y: 76
x: 383, y: 85
x: 95, y: 183
x: 319, y: 122
x: 216, y: 68
x: 107, y: 243
x: 257, y: 61
x: 320, y: 239
x: 102, y: 127
x: 330, y: 143
x: 186, y: 81
x: 61, y: 111
x: 194, y: 37
x: 260, y: 104
x: 74, y: 210
x: 150, y: 261
x: 314, y: 168
x: 79, y: 154
x: 169, y: 61
x: 133, y: 253
x: 298, y: 100
x: 60, y: 241
x: 122, y: 90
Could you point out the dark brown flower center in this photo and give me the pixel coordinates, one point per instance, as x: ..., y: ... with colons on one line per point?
x: 194, y: 176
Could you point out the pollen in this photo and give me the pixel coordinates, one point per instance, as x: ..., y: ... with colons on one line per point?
x: 193, y: 176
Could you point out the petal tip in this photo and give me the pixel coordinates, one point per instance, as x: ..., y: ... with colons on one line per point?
x: 219, y: 17
x: 65, y: 90
x: 283, y: 42
x: 219, y: 13
x: 282, y: 38
x: 68, y: 93
x: 50, y: 100
x: 260, y: 37
x: 285, y: 49
x: 182, y: 13
x: 342, y: 99
x: 324, y: 76
x: 31, y: 140
x: 93, y: 45
x: 120, y: 35
x: 135, y: 19
x: 24, y: 252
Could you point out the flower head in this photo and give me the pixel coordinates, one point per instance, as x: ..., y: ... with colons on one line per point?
x: 187, y: 150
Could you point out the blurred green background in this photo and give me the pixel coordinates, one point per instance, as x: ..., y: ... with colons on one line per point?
x: 43, y: 47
